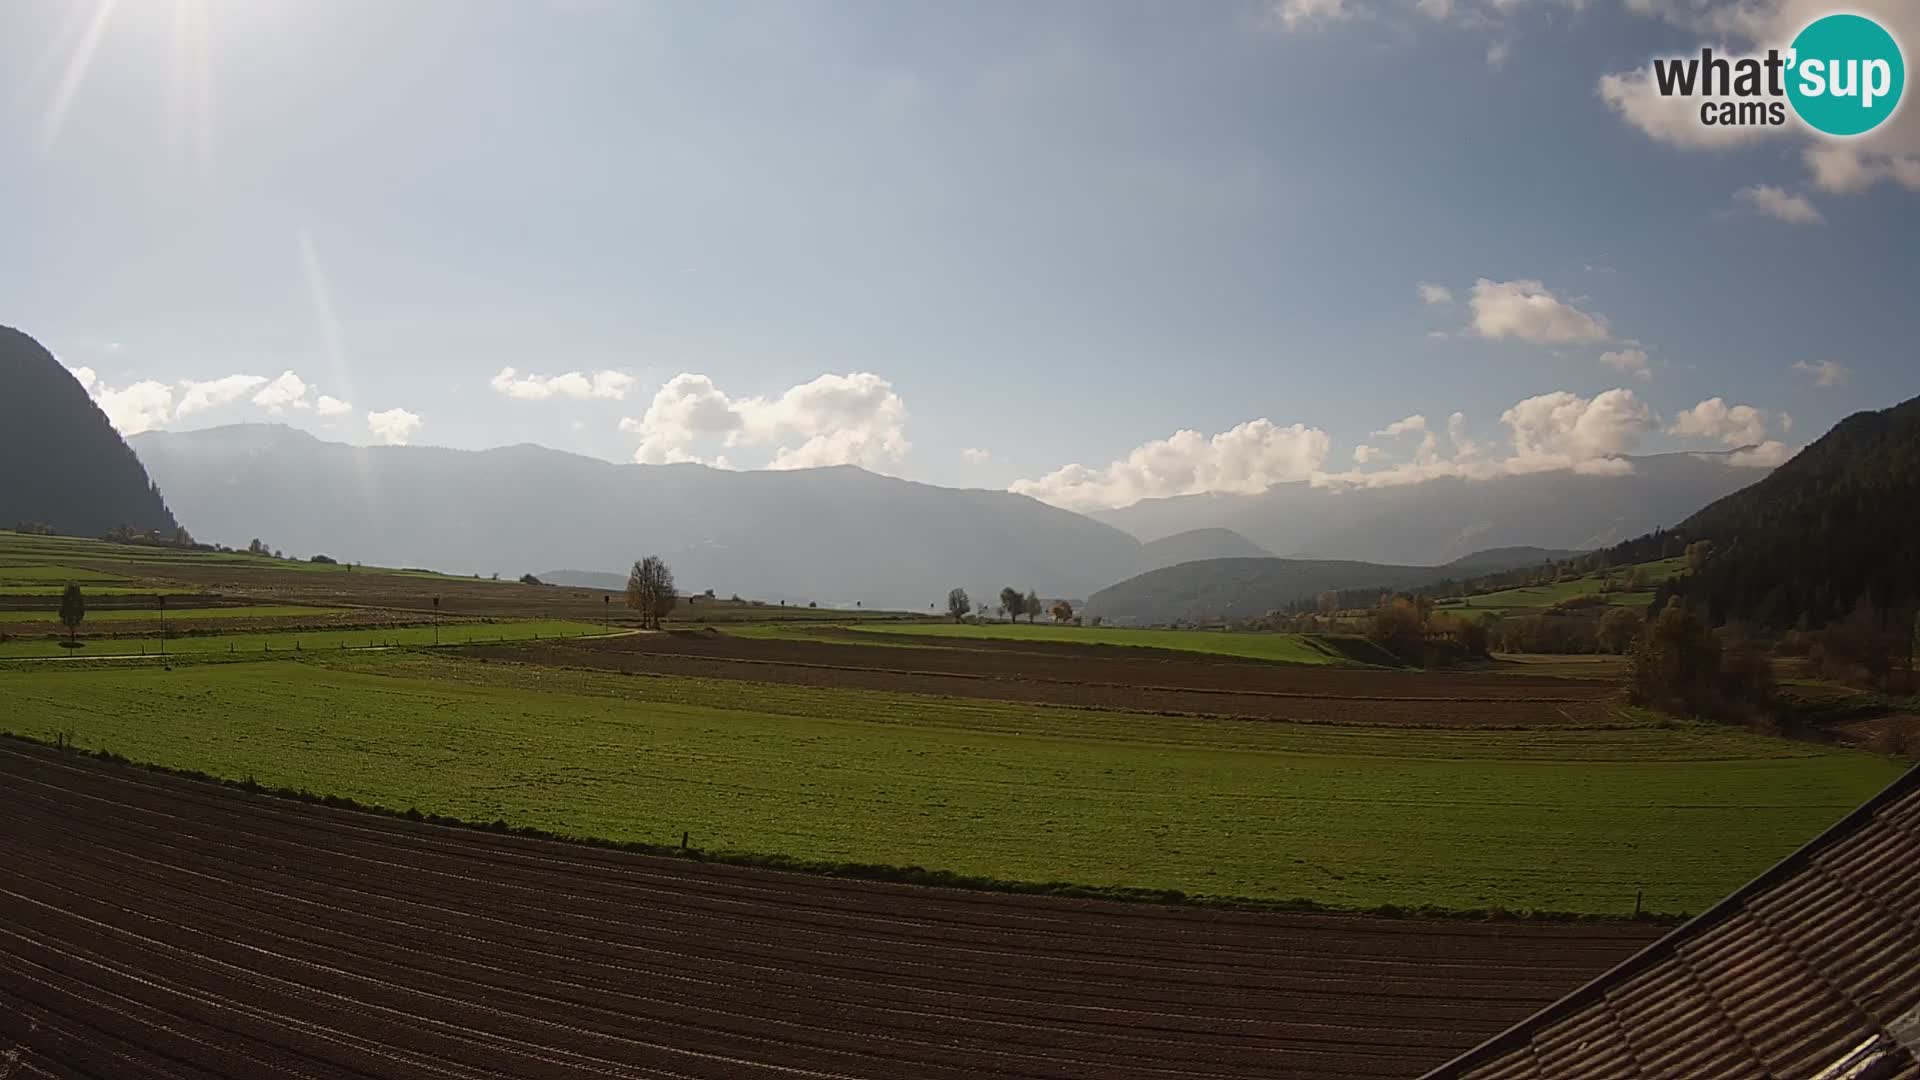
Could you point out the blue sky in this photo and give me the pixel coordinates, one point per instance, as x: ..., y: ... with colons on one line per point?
x: 965, y: 243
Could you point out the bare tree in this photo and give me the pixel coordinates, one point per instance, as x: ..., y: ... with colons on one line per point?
x: 1031, y: 605
x: 958, y: 604
x: 650, y: 590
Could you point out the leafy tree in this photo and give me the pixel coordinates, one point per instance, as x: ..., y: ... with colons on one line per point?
x: 958, y: 604
x: 1399, y: 628
x: 1031, y: 605
x: 1061, y: 611
x: 1011, y: 602
x: 1619, y: 629
x: 324, y: 560
x: 258, y: 547
x: 650, y: 590
x: 529, y: 579
x: 73, y: 608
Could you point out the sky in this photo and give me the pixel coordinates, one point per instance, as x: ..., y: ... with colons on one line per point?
x: 1092, y: 252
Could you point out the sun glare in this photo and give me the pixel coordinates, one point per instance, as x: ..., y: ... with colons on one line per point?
x: 189, y: 97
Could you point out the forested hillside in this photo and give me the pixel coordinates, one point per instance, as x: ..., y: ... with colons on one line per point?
x: 66, y: 468
x: 1836, y: 527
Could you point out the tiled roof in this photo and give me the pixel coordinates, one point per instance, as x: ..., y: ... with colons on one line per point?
x: 1810, y: 972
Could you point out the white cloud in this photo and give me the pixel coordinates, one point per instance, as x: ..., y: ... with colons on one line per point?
x: 1434, y: 9
x: 1765, y: 456
x: 1299, y: 14
x: 1824, y: 373
x: 973, y: 455
x: 1364, y: 453
x: 608, y: 385
x: 394, y: 426
x: 137, y: 408
x: 1631, y: 360
x: 1498, y: 53
x: 332, y: 406
x: 1245, y: 459
x: 1434, y: 294
x: 1563, y: 430
x: 196, y: 396
x: 1635, y: 97
x: 287, y: 390
x: 1463, y: 445
x: 140, y: 407
x: 1734, y: 425
x: 1530, y: 312
x: 1769, y: 201
x: 855, y: 418
x: 1416, y: 422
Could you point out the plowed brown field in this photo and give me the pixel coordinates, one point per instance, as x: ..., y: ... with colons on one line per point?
x: 1134, y: 679
x: 157, y: 926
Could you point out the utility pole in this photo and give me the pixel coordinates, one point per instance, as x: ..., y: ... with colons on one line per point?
x: 606, y: 618
x: 436, y: 621
x: 162, y: 598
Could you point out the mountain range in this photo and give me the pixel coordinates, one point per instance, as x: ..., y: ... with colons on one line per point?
x: 1440, y: 520
x: 840, y: 535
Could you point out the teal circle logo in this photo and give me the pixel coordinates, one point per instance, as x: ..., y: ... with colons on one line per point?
x: 1846, y: 75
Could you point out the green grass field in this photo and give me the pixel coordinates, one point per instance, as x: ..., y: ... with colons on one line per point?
x: 1575, y: 820
x: 51, y: 613
x: 1290, y: 648
x: 1532, y: 598
x: 451, y: 633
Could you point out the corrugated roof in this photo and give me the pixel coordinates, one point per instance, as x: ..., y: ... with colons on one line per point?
x: 1809, y: 972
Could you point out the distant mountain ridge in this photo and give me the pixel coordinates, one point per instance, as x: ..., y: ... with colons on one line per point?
x: 1238, y: 588
x: 65, y: 465
x: 1440, y: 520
x: 837, y: 535
x: 1195, y: 544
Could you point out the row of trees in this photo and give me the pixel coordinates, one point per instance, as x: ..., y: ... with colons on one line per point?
x: 1013, y: 603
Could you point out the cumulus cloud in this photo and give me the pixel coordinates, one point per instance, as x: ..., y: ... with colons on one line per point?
x: 1824, y: 373
x: 1563, y: 430
x: 1301, y: 14
x: 1416, y: 422
x: 140, y: 407
x: 1528, y: 311
x: 1245, y: 459
x: 394, y: 426
x: 973, y: 455
x: 332, y: 406
x: 851, y: 419
x: 286, y: 391
x: 608, y: 385
x: 1734, y: 425
x: 1780, y: 205
x: 1767, y: 455
x: 1364, y: 453
x: 195, y: 396
x: 1631, y: 360
x: 1434, y: 294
